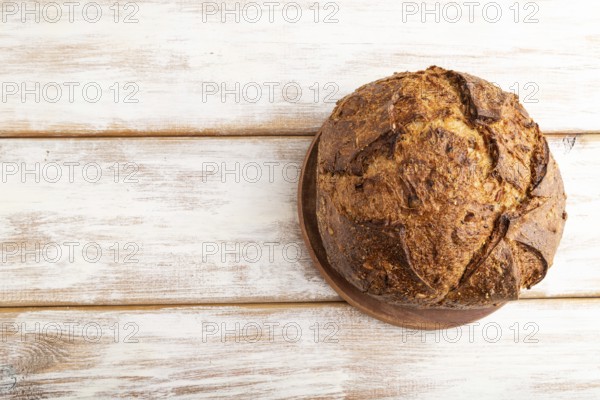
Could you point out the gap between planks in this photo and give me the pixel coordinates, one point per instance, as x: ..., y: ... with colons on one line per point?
x: 190, y: 134
x: 253, y: 305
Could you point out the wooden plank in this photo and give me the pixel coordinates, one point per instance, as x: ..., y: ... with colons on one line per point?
x: 188, y: 220
x: 536, y: 348
x: 203, y: 220
x: 179, y: 59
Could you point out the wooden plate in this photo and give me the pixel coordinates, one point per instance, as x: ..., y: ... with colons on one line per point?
x: 409, y: 317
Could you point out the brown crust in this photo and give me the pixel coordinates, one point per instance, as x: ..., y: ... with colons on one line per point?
x: 436, y: 189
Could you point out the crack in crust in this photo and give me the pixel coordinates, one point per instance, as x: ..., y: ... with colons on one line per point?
x: 499, y: 232
x: 409, y: 182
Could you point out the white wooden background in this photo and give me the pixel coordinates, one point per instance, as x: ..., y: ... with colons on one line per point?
x: 203, y: 287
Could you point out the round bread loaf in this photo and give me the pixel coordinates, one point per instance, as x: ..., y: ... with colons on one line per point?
x: 436, y: 189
